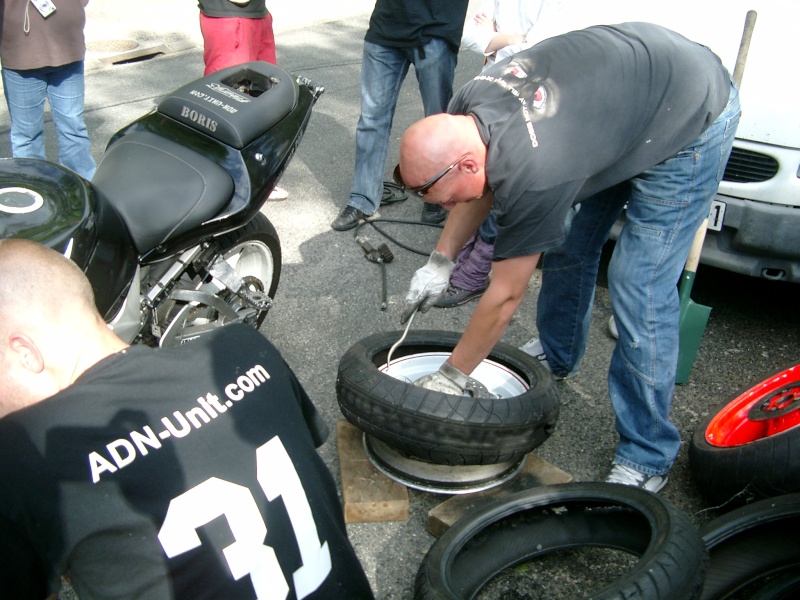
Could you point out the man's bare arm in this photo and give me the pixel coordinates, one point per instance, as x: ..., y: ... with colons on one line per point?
x: 506, y: 291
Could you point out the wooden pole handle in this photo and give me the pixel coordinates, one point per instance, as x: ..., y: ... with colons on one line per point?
x: 738, y: 72
x: 744, y: 46
x: 697, y: 247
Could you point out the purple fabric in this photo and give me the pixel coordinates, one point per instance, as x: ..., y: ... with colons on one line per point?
x: 473, y: 264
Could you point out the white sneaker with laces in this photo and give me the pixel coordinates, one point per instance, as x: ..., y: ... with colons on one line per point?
x: 626, y: 476
x: 535, y: 349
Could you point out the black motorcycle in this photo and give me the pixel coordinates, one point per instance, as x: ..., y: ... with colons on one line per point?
x: 169, y: 231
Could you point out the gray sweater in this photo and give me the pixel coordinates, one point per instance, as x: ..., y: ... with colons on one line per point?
x: 51, y: 42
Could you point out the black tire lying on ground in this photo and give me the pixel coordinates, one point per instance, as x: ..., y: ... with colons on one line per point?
x: 749, y: 447
x: 754, y: 551
x: 443, y: 428
x: 542, y: 520
x: 785, y: 586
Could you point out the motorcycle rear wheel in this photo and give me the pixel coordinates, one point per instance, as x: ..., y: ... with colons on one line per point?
x: 254, y: 252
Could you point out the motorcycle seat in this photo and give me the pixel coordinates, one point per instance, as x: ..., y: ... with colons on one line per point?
x: 234, y: 105
x: 159, y: 188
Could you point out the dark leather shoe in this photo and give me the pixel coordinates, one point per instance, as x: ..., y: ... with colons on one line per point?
x: 348, y: 218
x: 433, y: 213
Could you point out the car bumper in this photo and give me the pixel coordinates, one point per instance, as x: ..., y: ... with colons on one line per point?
x: 758, y: 239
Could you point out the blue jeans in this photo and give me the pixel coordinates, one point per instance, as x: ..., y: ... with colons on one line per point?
x: 383, y: 70
x: 63, y: 87
x: 666, y: 205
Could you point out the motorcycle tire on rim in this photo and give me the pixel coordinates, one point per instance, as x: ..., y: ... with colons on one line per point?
x: 749, y: 447
x: 523, y: 526
x: 753, y: 549
x: 442, y: 428
x: 254, y: 251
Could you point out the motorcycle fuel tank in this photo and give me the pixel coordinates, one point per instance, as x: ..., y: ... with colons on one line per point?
x: 49, y: 204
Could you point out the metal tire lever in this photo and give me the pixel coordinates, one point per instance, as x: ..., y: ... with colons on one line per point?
x: 400, y: 341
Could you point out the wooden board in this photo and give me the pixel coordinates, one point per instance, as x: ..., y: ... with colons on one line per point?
x: 368, y: 495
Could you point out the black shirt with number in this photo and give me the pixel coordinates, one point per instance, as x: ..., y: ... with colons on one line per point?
x: 175, y: 473
x: 581, y: 112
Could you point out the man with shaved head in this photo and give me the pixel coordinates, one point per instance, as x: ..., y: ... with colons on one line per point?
x: 44, y: 300
x: 134, y: 472
x: 557, y: 139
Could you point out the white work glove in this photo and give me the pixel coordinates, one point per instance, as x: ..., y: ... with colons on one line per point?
x: 428, y: 284
x: 450, y: 380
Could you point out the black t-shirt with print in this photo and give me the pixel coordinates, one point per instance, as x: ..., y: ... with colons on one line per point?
x: 581, y: 112
x: 188, y: 472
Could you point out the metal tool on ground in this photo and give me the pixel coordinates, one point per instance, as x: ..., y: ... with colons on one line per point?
x: 693, y: 316
x: 381, y: 256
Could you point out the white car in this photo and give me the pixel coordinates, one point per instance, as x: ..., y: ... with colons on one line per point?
x: 754, y: 224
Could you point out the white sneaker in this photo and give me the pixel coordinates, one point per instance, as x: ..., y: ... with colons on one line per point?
x: 626, y: 476
x: 278, y: 194
x: 612, y: 327
x: 535, y: 349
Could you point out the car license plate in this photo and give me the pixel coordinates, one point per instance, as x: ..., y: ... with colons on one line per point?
x: 716, y: 215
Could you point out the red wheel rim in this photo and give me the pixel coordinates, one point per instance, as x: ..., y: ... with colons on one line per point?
x: 766, y: 409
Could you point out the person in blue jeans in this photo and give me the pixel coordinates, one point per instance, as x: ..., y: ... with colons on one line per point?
x: 43, y: 58
x: 423, y: 33
x: 555, y: 140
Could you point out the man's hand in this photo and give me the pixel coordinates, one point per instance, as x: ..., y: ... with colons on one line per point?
x: 450, y: 380
x: 428, y: 284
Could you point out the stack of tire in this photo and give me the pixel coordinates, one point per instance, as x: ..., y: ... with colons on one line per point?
x: 751, y: 552
x: 746, y: 453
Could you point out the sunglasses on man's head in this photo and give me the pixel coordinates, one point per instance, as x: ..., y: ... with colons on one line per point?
x: 421, y: 190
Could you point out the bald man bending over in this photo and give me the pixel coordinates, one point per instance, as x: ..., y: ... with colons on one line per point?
x: 141, y: 473
x: 557, y: 139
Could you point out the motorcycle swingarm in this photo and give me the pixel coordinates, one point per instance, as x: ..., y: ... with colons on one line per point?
x: 253, y: 304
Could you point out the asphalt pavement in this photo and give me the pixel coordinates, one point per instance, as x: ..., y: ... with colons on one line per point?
x: 329, y: 295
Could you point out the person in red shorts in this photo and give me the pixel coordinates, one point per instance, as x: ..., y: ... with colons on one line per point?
x: 235, y: 32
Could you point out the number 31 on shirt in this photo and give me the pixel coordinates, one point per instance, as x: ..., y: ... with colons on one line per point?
x: 248, y: 555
